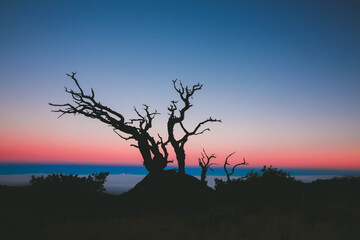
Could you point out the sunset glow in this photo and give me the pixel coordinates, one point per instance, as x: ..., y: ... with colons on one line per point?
x: 284, y: 82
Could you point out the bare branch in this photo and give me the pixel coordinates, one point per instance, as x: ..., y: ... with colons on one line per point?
x: 150, y: 116
x: 183, y: 128
x: 125, y: 138
x: 211, y: 165
x: 92, y: 93
x: 145, y: 122
x: 76, y: 81
x: 233, y: 168
x: 86, y: 105
x: 208, y: 158
x: 199, y: 133
x: 172, y: 108
x: 186, y: 93
x: 163, y: 146
x: 196, y: 130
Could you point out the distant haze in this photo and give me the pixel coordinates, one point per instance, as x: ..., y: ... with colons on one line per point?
x: 119, y: 183
x: 123, y: 178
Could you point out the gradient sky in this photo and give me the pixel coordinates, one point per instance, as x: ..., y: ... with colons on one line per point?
x: 284, y: 77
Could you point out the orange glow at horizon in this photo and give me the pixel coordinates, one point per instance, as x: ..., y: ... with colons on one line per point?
x: 119, y: 153
x: 85, y: 141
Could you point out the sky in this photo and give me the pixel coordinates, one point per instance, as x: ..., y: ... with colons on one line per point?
x: 283, y: 76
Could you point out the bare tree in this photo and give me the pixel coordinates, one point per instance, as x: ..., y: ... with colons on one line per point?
x: 185, y: 94
x: 233, y: 168
x: 205, y: 165
x: 154, y: 159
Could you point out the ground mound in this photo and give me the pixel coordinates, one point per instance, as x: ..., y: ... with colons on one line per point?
x: 168, y: 188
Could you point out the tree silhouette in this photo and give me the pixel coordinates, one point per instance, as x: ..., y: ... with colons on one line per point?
x: 154, y: 153
x: 154, y: 159
x: 185, y: 94
x: 233, y: 168
x: 205, y: 165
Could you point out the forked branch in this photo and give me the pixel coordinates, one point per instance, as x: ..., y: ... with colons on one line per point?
x: 233, y: 168
x: 196, y: 130
x: 145, y: 122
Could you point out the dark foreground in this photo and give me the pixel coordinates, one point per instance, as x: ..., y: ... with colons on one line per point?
x: 171, y: 208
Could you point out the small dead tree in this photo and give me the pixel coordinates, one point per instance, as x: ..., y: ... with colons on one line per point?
x: 233, y: 168
x: 154, y: 159
x: 185, y: 94
x: 205, y: 165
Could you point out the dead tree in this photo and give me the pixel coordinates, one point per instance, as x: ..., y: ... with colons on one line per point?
x: 205, y: 165
x: 154, y: 159
x: 233, y: 168
x: 185, y: 94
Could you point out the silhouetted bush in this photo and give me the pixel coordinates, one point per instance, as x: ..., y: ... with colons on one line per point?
x: 256, y: 189
x: 267, y: 175
x: 339, y: 180
x: 92, y: 183
x: 344, y: 188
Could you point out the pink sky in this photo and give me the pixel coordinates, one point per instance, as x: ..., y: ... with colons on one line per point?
x: 92, y: 143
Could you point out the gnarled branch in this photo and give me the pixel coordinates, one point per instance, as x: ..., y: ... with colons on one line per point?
x: 86, y: 105
x: 185, y: 93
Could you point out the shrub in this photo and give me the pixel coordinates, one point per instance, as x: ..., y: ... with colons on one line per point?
x: 92, y: 183
x: 269, y: 175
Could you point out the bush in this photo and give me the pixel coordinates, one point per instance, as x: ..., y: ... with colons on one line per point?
x: 267, y: 178
x: 92, y: 183
x: 269, y: 175
x: 259, y: 189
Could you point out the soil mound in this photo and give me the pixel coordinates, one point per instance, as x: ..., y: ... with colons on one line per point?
x: 168, y: 188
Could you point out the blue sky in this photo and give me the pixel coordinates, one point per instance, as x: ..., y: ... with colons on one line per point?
x: 282, y: 75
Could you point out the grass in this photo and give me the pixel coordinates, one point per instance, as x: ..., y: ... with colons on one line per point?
x: 220, y: 222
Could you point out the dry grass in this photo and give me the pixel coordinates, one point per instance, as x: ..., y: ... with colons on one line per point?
x: 322, y: 212
x: 222, y: 222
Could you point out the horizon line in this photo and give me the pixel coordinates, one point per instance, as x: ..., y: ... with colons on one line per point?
x: 190, y: 166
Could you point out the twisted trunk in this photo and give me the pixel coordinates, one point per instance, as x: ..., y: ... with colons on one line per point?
x: 155, y: 163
